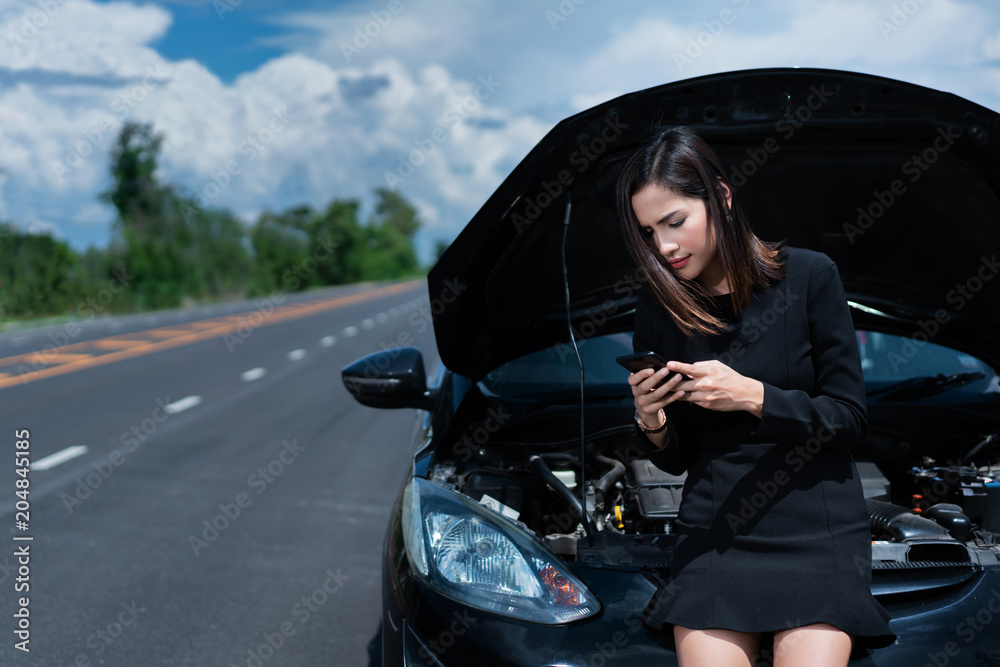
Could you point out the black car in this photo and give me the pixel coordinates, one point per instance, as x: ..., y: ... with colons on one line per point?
x: 532, y: 529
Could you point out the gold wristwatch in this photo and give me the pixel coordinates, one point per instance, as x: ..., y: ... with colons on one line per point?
x: 646, y: 429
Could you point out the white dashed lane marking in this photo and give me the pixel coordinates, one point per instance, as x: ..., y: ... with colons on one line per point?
x: 296, y: 355
x: 327, y: 341
x: 185, y: 403
x: 52, y: 460
x: 253, y: 374
x: 368, y: 324
x: 351, y: 331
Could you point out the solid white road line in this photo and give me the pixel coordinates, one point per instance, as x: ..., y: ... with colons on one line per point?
x: 327, y: 341
x: 296, y: 355
x: 52, y: 460
x: 253, y: 374
x: 185, y: 403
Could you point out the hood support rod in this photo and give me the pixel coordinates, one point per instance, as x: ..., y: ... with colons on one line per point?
x: 588, y: 522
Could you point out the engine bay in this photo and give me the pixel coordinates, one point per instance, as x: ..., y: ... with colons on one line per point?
x: 936, y: 514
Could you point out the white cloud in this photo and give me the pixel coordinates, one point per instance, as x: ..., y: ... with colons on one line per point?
x: 411, y: 31
x: 80, y: 37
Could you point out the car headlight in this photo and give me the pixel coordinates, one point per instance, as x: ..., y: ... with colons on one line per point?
x: 465, y: 551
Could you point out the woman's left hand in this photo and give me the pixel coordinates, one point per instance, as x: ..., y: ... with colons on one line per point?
x: 715, y: 386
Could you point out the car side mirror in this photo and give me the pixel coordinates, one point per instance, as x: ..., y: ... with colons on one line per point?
x: 389, y: 379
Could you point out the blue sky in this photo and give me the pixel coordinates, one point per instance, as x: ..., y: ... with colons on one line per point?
x: 303, y: 102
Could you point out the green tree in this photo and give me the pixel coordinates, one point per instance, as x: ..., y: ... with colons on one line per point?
x: 173, y: 248
x: 215, y: 258
x: 393, y: 210
x: 339, y: 242
x: 135, y: 193
x: 280, y: 246
x: 152, y: 236
x: 37, y: 274
x: 391, y: 233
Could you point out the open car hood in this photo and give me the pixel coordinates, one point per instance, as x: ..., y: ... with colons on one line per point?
x: 897, y: 183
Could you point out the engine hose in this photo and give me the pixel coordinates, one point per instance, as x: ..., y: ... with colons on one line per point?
x: 560, y: 487
x: 605, y: 483
x: 900, y: 523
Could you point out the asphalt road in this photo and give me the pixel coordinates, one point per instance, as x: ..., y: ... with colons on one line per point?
x: 230, y: 504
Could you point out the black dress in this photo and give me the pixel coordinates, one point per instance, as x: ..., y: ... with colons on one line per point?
x: 773, y: 530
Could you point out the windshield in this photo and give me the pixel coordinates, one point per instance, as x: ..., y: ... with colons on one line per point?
x: 886, y: 359
x: 555, y: 369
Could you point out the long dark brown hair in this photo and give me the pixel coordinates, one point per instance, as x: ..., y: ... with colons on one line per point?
x: 678, y: 159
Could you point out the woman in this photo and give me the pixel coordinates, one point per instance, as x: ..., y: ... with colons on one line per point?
x: 773, y: 532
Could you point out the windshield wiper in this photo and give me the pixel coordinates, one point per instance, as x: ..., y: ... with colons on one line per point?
x: 926, y: 385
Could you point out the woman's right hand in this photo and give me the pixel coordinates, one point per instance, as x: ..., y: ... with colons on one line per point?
x: 649, y: 398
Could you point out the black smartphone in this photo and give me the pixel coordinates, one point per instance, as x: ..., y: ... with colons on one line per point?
x: 636, y: 362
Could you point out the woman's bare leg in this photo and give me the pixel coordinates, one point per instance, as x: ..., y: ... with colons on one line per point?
x: 715, y: 647
x: 816, y: 645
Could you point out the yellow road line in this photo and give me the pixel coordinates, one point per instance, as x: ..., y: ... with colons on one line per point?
x: 165, y: 333
x: 49, y: 358
x: 116, y: 343
x: 219, y: 328
x: 42, y: 358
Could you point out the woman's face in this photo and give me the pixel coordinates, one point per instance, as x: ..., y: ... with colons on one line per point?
x: 678, y: 228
